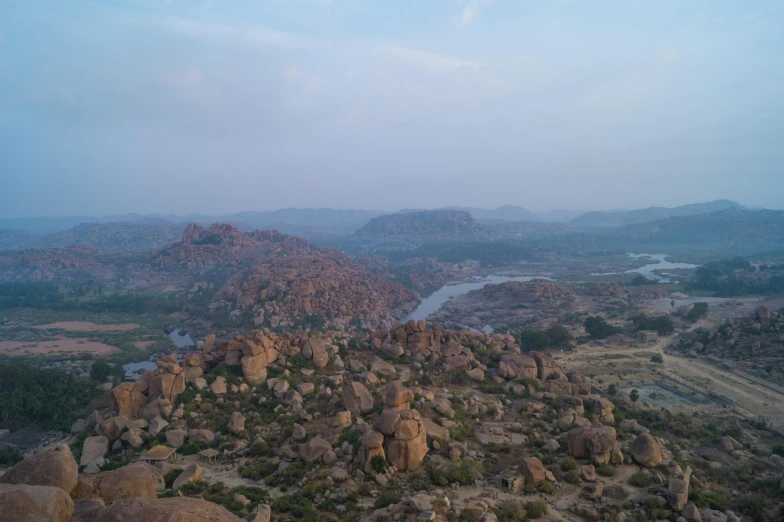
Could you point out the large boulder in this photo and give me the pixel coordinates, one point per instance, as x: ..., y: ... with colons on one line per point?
x: 167, y: 385
x: 357, y: 398
x: 25, y: 503
x: 597, y: 443
x: 192, y: 473
x: 533, y: 471
x: 313, y: 350
x: 177, y: 509
x: 645, y: 451
x: 176, y: 438
x: 87, y: 509
x: 54, y: 467
x: 372, y: 446
x: 314, y: 449
x: 93, y: 448
x: 128, y: 400
x: 112, y: 428
x: 236, y: 423
x: 254, y: 368
x: 134, y: 480
x: 678, y: 491
x: 397, y: 396
x: 202, y: 436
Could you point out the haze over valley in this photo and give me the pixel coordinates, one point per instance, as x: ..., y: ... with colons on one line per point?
x: 351, y: 261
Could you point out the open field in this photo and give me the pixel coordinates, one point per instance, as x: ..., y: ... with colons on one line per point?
x: 55, y: 346
x: 633, y: 364
x: 86, y: 326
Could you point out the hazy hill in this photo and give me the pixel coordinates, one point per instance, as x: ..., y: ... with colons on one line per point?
x: 418, y: 227
x: 630, y: 217
x: 505, y: 213
x: 111, y: 237
x: 734, y: 225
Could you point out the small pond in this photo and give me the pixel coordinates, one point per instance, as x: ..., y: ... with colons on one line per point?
x: 180, y: 339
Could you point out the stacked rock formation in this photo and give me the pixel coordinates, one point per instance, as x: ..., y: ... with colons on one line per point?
x: 599, y: 444
x: 400, y: 435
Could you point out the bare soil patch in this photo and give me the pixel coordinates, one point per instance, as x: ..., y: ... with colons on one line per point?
x: 22, y: 349
x: 85, y: 326
x: 143, y: 345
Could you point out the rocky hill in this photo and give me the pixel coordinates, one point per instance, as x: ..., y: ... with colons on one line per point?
x: 416, y: 420
x: 424, y: 226
x: 321, y: 285
x: 221, y: 244
x: 629, y: 217
x: 506, y: 305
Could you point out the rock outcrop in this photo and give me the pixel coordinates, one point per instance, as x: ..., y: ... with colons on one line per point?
x: 133, y: 480
x: 181, y: 509
x: 55, y: 467
x: 645, y: 451
x: 599, y: 444
x: 23, y: 503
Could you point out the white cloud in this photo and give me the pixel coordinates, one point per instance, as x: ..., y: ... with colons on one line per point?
x: 470, y: 12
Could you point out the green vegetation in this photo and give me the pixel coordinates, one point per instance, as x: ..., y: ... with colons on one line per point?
x: 698, y: 311
x: 51, y: 296
x: 598, y: 328
x: 605, y: 470
x: 534, y: 340
x: 101, y: 371
x: 657, y: 358
x: 728, y: 278
x: 47, y: 398
x: 659, y: 323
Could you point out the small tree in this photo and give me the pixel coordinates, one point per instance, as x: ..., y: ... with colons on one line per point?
x: 657, y: 358
x: 100, y: 371
x: 534, y: 340
x: 612, y: 389
x: 634, y: 396
x: 559, y: 335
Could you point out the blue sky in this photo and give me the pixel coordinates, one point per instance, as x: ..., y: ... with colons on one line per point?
x: 213, y: 106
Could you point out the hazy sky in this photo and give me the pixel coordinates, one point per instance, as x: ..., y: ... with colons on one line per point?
x: 112, y: 106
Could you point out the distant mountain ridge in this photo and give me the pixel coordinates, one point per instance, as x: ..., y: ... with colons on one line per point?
x: 630, y: 217
x: 732, y: 225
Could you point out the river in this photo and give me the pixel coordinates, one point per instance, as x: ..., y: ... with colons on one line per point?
x: 179, y: 338
x: 434, y: 301
x: 658, y: 262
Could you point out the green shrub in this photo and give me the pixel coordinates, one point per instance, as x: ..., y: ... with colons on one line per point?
x: 536, y: 508
x: 469, y: 515
x: 640, y: 480
x: 572, y: 477
x: 605, y: 470
x: 568, y: 464
x: 387, y: 497
x: 191, y: 448
x: 379, y: 464
x: 510, y: 512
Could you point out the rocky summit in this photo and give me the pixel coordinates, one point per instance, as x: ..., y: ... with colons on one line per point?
x: 415, y: 422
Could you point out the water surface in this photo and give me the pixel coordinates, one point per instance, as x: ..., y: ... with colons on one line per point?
x: 433, y: 302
